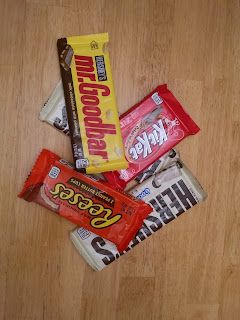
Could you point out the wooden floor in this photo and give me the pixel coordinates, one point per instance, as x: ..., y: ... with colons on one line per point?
x: 191, y: 268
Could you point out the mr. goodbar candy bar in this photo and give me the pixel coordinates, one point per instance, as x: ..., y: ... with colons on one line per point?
x: 91, y: 104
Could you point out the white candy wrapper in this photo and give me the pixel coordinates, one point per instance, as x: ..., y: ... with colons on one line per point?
x: 54, y: 110
x: 162, y: 163
x: 170, y: 192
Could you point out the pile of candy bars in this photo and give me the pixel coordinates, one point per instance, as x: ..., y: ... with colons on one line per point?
x: 126, y: 180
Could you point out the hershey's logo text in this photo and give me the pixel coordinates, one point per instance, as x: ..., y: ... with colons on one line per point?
x: 181, y: 199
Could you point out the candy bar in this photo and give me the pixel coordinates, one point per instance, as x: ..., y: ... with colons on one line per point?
x: 83, y: 200
x: 162, y: 163
x: 54, y: 110
x: 170, y: 193
x: 91, y: 104
x: 150, y: 129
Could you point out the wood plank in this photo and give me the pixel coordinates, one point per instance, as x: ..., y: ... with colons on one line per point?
x: 191, y: 268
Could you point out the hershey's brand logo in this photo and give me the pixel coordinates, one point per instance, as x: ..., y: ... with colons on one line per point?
x: 146, y: 141
x: 91, y: 106
x: 101, y: 70
x: 169, y: 204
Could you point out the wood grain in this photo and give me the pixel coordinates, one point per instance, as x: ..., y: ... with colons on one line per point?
x: 189, y: 270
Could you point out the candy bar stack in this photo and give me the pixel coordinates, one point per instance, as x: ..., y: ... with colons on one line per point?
x: 126, y: 181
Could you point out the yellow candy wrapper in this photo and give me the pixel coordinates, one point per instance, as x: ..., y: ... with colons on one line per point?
x: 91, y: 104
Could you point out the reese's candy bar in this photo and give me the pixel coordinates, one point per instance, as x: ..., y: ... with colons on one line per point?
x: 150, y: 129
x: 83, y: 200
x: 91, y: 104
x: 54, y: 110
x: 170, y: 193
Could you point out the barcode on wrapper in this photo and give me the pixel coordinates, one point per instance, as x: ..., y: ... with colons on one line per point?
x: 83, y: 233
x: 82, y: 163
x: 54, y: 172
x: 157, y: 99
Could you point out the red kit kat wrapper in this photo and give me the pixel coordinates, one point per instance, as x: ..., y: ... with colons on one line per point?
x: 150, y: 129
x: 83, y: 200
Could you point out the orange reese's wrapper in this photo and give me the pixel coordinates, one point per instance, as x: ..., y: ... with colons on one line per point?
x: 83, y: 200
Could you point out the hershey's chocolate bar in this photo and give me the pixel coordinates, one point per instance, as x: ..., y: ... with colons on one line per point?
x: 171, y: 192
x: 54, y: 110
x: 94, y: 125
x: 167, y: 160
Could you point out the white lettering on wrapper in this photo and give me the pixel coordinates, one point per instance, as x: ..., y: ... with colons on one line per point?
x: 146, y: 141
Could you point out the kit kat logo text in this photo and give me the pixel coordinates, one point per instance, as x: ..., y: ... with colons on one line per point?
x: 102, y: 217
x: 143, y: 144
x: 90, y: 93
